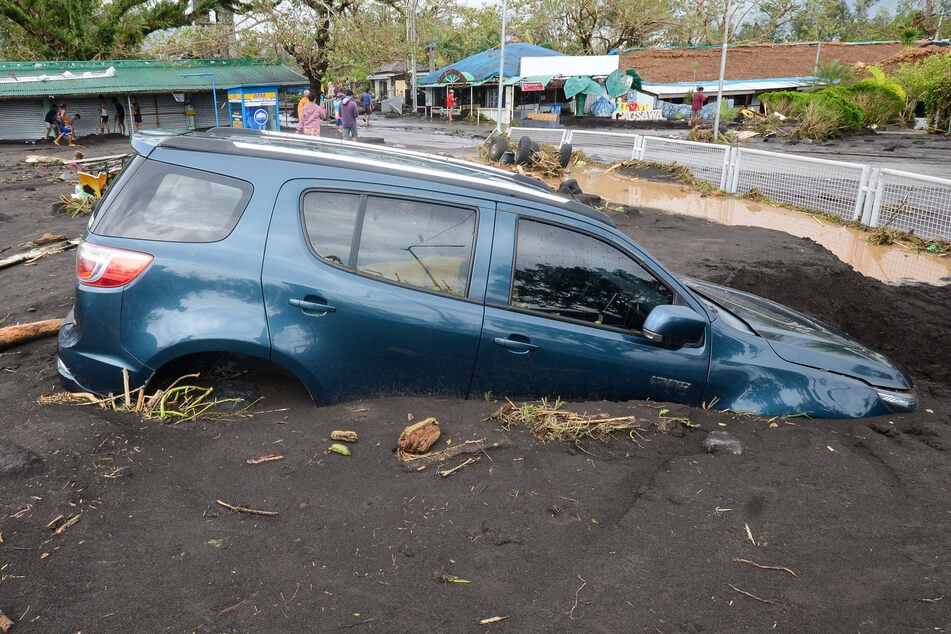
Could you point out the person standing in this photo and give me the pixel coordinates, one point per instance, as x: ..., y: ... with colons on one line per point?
x: 65, y: 126
x: 52, y: 128
x: 348, y: 116
x: 696, y: 106
x: 310, y: 116
x: 450, y: 103
x: 367, y: 106
x: 103, y: 115
x: 136, y: 114
x: 304, y: 100
x: 120, y: 116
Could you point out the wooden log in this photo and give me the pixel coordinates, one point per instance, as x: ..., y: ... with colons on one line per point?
x: 38, y: 252
x: 21, y: 333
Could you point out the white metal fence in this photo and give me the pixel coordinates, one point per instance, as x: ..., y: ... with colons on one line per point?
x: 874, y: 196
x: 709, y: 162
x: 831, y: 187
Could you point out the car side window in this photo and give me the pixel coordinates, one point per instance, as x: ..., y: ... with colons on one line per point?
x: 171, y: 203
x: 420, y: 243
x: 568, y: 274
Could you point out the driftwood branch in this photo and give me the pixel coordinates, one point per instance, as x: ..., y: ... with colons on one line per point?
x: 245, y: 509
x: 765, y: 567
x: 37, y: 253
x: 21, y: 333
x: 747, y: 594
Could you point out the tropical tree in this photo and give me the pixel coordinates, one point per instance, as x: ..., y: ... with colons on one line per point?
x: 333, y: 39
x: 92, y: 29
x: 592, y: 27
x: 834, y: 72
x: 701, y: 22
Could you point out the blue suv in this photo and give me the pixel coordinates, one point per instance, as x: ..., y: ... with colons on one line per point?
x: 365, y: 271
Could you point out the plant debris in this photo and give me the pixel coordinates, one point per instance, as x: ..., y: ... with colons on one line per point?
x: 753, y: 563
x: 245, y: 509
x: 549, y: 422
x: 270, y: 457
x: 61, y: 522
x: 337, y: 448
x: 176, y: 403
x: 344, y: 436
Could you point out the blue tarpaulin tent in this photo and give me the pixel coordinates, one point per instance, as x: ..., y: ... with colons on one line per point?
x: 483, y: 67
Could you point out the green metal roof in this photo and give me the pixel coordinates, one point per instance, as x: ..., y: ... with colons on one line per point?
x: 29, y: 79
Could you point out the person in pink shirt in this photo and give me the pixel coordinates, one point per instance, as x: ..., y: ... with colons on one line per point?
x: 696, y: 105
x: 310, y: 117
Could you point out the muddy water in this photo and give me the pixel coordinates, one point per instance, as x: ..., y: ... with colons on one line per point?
x: 892, y: 264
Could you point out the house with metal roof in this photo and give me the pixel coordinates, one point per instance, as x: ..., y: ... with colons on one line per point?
x: 394, y: 79
x: 173, y: 94
x: 475, y: 79
x: 751, y: 69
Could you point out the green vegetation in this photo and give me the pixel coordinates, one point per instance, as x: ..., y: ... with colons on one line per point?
x: 922, y: 78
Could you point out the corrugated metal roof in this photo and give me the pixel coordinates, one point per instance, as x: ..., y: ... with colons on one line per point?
x: 29, y: 79
x: 484, y: 66
x: 732, y: 87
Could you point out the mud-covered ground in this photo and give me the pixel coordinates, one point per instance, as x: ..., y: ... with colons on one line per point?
x: 817, y: 526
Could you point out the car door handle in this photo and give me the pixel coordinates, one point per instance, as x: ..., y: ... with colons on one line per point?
x: 516, y: 346
x: 311, y: 307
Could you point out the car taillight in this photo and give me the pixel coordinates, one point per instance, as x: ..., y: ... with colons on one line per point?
x: 107, y: 267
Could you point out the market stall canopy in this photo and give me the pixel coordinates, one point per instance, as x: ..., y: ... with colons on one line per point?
x: 618, y: 83
x: 483, y: 67
x: 586, y: 85
x: 534, y: 79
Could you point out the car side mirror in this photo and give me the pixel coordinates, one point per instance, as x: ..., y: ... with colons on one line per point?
x: 675, y: 326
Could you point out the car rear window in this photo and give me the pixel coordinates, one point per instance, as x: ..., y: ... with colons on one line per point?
x: 171, y: 203
x: 419, y: 243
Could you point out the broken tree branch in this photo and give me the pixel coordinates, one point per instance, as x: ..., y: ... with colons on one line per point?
x: 21, y: 333
x: 245, y: 509
x: 35, y: 254
x: 448, y: 472
x: 747, y: 594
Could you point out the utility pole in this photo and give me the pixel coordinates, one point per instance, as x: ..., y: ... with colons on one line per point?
x: 411, y: 37
x: 726, y: 38
x: 498, y: 124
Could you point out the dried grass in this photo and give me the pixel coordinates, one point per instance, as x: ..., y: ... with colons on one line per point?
x: 175, y: 404
x: 77, y: 206
x: 548, y: 422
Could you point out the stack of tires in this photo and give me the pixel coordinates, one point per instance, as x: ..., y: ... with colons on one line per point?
x: 526, y: 152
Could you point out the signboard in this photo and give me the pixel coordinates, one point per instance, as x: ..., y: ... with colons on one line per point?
x: 260, y: 117
x: 640, y: 115
x: 254, y: 98
x: 531, y: 86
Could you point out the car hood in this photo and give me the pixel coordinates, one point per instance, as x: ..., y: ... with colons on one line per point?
x: 804, y: 341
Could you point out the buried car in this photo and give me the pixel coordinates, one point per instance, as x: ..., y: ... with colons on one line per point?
x: 366, y: 271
